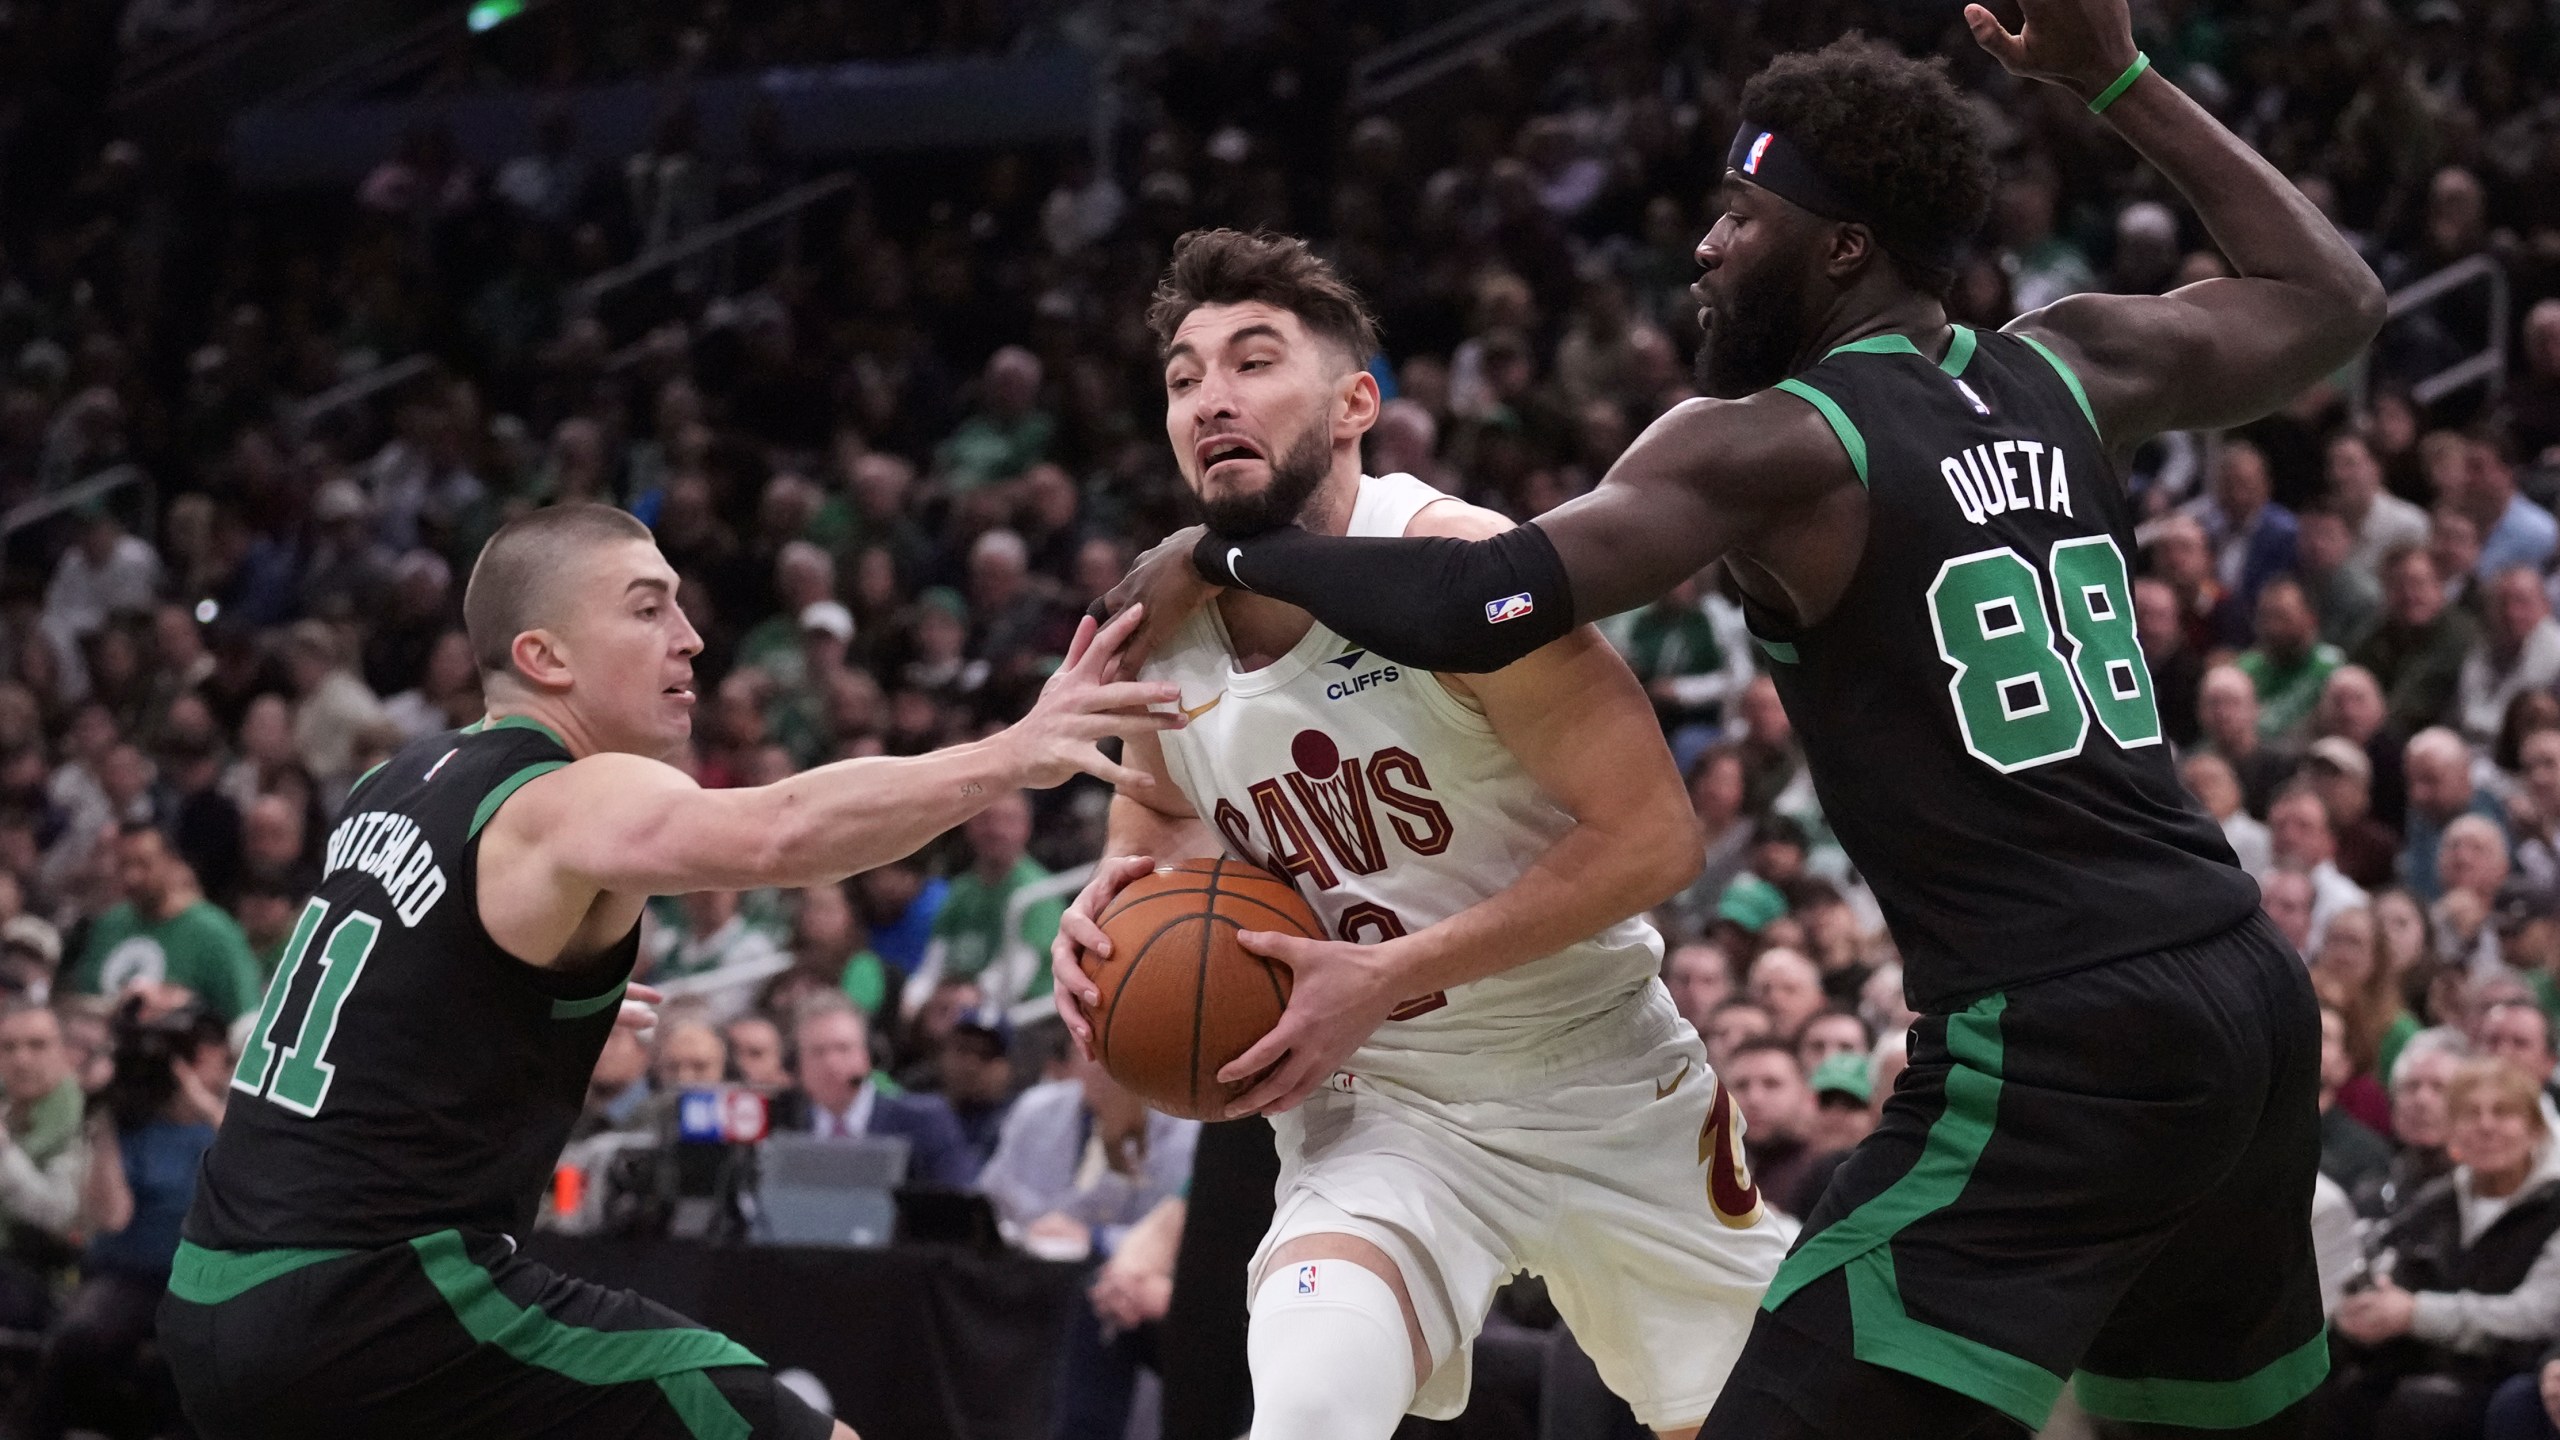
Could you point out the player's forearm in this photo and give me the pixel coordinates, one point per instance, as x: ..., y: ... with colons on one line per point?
x: 2263, y: 225
x: 1462, y: 606
x: 1598, y: 874
x: 1137, y: 828
x: 855, y: 815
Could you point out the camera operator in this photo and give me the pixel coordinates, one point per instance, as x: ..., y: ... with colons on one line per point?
x: 42, y: 1157
x: 147, y: 1132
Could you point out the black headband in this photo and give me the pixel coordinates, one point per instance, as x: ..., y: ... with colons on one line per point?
x: 1766, y: 159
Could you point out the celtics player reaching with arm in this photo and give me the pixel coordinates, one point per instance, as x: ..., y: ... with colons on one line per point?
x: 2096, y: 1169
x: 349, y: 1266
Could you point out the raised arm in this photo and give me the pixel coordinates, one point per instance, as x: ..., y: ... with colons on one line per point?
x: 2219, y: 352
x: 1708, y: 477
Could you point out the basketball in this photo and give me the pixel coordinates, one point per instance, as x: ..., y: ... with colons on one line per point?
x: 1180, y: 998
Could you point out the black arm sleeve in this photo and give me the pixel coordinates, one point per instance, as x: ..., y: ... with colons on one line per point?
x: 1438, y: 604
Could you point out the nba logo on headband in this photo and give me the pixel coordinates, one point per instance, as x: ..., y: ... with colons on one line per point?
x: 1759, y: 147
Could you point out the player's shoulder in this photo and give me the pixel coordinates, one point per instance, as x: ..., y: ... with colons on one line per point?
x: 1451, y: 518
x: 1193, y: 645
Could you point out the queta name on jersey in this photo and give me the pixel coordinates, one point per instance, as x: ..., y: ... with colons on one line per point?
x: 2005, y: 475
x: 389, y: 848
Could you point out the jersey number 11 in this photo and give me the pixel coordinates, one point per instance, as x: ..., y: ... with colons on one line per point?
x: 297, y: 1076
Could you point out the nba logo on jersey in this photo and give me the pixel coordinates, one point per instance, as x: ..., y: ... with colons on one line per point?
x: 432, y: 769
x: 1759, y: 147
x: 1972, y: 399
x: 1307, y: 1279
x: 1508, y: 608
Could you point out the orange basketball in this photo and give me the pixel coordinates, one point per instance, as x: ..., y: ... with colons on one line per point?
x: 1180, y: 998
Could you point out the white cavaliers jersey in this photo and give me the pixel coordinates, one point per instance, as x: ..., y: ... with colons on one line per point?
x: 1391, y: 805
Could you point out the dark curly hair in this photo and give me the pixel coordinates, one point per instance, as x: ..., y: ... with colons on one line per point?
x: 1892, y: 132
x: 1230, y: 267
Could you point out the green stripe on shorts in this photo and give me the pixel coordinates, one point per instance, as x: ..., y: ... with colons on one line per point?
x: 208, y: 1277
x: 2209, y: 1404
x: 672, y: 1359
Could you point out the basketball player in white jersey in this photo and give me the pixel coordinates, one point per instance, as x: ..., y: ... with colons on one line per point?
x: 1480, y: 1074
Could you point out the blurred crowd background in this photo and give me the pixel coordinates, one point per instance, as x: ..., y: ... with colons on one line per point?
x: 892, y: 411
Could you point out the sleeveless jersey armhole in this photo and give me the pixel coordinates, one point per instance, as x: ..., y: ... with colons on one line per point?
x: 1841, y: 425
x: 2070, y: 380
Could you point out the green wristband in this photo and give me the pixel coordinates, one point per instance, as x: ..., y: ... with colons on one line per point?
x: 2124, y: 82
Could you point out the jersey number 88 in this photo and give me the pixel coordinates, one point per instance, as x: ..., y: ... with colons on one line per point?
x: 2019, y: 702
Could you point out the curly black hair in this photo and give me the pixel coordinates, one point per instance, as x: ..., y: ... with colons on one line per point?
x: 1895, y: 134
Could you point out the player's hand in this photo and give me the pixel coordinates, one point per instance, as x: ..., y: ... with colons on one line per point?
x: 1127, y: 1299
x: 1339, y: 994
x: 1079, y: 935
x: 2080, y: 45
x: 639, y: 1008
x: 1082, y: 705
x: 1165, y: 582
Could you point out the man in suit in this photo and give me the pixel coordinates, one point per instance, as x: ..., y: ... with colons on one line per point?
x: 836, y: 1097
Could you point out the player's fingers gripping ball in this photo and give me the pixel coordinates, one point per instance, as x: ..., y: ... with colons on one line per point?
x: 1180, y: 998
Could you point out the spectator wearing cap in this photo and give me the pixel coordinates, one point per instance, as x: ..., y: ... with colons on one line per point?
x: 332, y: 707
x: 30, y: 954
x: 2518, y: 651
x: 43, y: 1155
x: 1744, y: 912
x: 2364, y: 849
x: 165, y: 933
x: 2441, y: 791
x: 2289, y: 664
x: 975, y: 1062
x: 2347, y: 600
x: 2380, y: 521
x: 803, y: 575
x: 1843, y: 1113
x: 2416, y: 654
x: 798, y: 712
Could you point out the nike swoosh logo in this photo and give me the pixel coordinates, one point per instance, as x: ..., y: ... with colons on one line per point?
x: 1191, y: 712
x: 1665, y: 1092
x: 1234, y: 554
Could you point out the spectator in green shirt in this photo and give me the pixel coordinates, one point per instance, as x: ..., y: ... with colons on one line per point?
x: 969, y: 937
x: 2289, y: 663
x: 166, y: 933
x: 1006, y: 435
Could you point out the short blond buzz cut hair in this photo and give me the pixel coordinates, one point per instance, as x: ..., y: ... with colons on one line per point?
x: 514, y: 583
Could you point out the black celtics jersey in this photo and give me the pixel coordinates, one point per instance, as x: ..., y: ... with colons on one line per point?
x: 1976, y: 714
x: 406, y: 1075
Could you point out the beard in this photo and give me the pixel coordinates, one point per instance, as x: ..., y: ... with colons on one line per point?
x: 1755, y: 339
x: 1295, y: 474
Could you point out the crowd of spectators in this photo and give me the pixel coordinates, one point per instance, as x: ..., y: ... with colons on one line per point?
x: 895, y: 461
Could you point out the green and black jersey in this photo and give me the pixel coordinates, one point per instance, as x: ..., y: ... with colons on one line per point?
x: 405, y: 1075
x: 1976, y: 713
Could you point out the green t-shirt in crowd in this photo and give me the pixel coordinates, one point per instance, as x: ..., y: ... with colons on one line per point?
x: 199, y: 947
x: 971, y: 925
x: 2288, y: 693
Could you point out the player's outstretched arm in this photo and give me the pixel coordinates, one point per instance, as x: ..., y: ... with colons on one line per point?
x: 2219, y: 352
x: 623, y: 824
x: 1707, y: 477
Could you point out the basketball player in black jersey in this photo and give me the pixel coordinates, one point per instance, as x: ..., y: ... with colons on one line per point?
x: 2098, y: 1167
x: 348, y: 1269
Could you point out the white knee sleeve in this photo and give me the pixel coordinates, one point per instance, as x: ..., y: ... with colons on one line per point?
x: 1330, y: 1355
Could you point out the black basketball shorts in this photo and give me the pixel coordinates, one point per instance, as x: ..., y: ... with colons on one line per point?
x: 2103, y: 1179
x: 450, y: 1335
